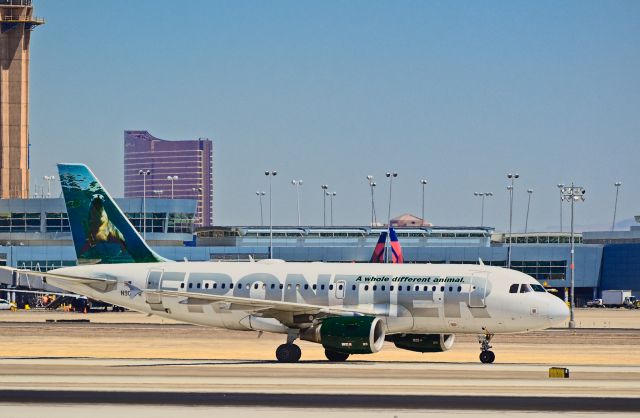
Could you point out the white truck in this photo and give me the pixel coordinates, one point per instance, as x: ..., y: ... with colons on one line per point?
x: 619, y: 298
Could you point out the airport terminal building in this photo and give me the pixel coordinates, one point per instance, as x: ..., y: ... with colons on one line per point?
x: 35, y: 234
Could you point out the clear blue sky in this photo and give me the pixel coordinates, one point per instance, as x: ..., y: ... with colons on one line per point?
x: 456, y: 92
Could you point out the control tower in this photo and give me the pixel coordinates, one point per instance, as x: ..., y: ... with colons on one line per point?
x: 16, y: 23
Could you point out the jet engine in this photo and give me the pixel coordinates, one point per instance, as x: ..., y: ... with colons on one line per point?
x: 423, y: 343
x: 349, y: 335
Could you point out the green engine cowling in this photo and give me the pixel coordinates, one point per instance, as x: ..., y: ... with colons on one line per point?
x: 351, y: 335
x: 423, y: 343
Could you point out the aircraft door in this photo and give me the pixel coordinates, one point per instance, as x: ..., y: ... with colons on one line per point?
x: 153, y: 283
x: 340, y: 285
x: 478, y: 290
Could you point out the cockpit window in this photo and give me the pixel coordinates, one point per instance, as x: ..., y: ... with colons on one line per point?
x: 525, y: 288
x: 538, y: 288
x: 514, y: 288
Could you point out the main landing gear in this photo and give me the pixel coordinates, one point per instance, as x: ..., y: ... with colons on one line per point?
x: 486, y: 355
x: 336, y: 356
x: 289, y: 352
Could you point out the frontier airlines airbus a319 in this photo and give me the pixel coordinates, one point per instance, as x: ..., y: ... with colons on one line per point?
x: 349, y: 308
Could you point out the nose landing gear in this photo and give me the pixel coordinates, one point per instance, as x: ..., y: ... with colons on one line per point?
x: 486, y: 355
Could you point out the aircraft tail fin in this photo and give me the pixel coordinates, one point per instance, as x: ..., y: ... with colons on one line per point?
x: 396, y: 249
x: 102, y: 234
x: 378, y: 251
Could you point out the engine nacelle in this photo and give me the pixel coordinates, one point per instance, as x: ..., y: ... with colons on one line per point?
x: 423, y: 343
x: 352, y: 335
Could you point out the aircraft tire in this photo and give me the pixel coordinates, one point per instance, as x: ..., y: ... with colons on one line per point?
x: 487, y: 357
x: 336, y: 356
x: 288, y: 353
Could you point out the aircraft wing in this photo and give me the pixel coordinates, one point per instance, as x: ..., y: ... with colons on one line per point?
x: 265, y: 305
x: 63, y: 277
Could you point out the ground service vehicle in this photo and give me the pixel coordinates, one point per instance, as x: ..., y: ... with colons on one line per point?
x: 619, y: 299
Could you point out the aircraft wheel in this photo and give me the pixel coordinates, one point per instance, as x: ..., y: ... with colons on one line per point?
x: 288, y: 353
x: 335, y: 356
x: 487, y: 357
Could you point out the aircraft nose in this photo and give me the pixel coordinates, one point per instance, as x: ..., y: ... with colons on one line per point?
x: 558, y: 311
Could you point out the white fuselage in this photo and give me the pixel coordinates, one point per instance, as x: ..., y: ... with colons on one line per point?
x: 410, y: 298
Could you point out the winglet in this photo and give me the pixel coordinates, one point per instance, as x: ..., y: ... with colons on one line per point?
x: 396, y: 249
x: 378, y: 251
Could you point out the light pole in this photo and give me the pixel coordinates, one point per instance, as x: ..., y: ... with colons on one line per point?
x: 270, y: 175
x: 372, y: 184
x: 172, y: 179
x: 331, y: 195
x: 144, y: 174
x: 513, y: 178
x: 48, y: 179
x: 572, y: 194
x: 324, y: 188
x: 260, y: 194
x: 560, y: 186
x: 617, y: 185
x: 482, y: 195
x: 424, y: 183
x: 526, y: 222
x: 390, y: 176
x: 297, y: 184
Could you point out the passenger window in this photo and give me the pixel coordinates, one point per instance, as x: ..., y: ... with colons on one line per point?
x: 442, y: 288
x: 206, y: 285
x: 524, y: 288
x: 231, y: 286
x: 321, y: 287
x: 513, y: 288
x: 417, y: 288
x: 366, y: 287
x: 459, y: 288
x: 281, y: 286
x: 375, y: 288
x: 255, y: 286
x: 425, y: 288
x: 182, y: 285
x: 273, y: 286
x: 450, y: 288
x: 391, y: 288
x: 399, y: 288
x: 240, y: 286
x: 353, y: 287
x: 220, y: 286
x: 190, y: 285
x: 433, y: 289
x: 340, y: 287
x: 306, y: 286
x: 314, y: 287
x: 215, y: 285
x: 330, y: 287
x: 382, y: 288
x: 289, y: 286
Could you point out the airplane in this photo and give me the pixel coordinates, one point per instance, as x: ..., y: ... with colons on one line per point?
x: 348, y: 308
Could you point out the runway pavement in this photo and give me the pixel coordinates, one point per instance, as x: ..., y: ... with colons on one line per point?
x: 171, y: 364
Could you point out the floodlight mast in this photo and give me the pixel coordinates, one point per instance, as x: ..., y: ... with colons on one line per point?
x: 572, y: 194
